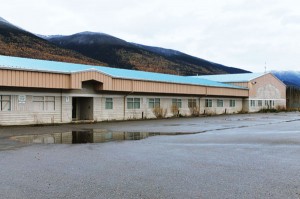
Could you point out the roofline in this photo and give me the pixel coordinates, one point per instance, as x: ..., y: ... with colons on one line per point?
x: 236, y: 87
x: 243, y: 81
x: 33, y: 70
x: 114, y: 77
x: 275, y: 78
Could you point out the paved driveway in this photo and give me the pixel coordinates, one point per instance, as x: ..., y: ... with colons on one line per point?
x: 236, y: 156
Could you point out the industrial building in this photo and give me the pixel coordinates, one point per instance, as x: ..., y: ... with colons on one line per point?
x: 265, y: 90
x: 38, y: 92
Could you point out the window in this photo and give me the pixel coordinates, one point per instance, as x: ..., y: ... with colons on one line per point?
x: 269, y: 103
x: 50, y: 103
x: 177, y: 103
x: 108, y: 103
x: 5, y: 103
x: 220, y: 103
x: 232, y: 103
x: 41, y: 103
x: 259, y: 102
x: 252, y: 103
x: 192, y: 103
x: 154, y: 103
x: 38, y: 103
x: 208, y: 102
x: 133, y: 103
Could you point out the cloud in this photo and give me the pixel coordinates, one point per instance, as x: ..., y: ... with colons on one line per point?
x: 238, y: 33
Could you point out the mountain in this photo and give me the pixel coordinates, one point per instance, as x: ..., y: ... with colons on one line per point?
x: 120, y: 53
x: 290, y: 78
x: 15, y: 41
x: 103, y: 49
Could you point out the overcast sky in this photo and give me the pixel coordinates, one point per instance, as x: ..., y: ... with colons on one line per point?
x: 238, y: 33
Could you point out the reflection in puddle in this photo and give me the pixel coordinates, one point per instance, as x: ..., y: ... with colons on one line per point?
x: 80, y: 137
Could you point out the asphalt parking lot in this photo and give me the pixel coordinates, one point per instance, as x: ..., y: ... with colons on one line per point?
x: 229, y: 156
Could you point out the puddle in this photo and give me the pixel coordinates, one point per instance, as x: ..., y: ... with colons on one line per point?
x: 83, y: 136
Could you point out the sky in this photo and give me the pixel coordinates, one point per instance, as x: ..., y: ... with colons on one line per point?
x: 248, y: 34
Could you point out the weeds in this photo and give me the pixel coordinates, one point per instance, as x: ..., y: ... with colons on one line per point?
x: 159, y: 112
x: 195, y: 111
x: 175, y: 110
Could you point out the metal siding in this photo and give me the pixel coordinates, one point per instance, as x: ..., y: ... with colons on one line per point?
x: 159, y: 87
x: 227, y: 92
x: 78, y: 78
x: 74, y: 81
x: 121, y: 85
x: 242, y: 84
x: 33, y: 79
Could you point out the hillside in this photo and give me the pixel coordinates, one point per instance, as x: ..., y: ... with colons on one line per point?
x: 15, y: 41
x: 119, y: 53
x: 290, y: 78
x: 103, y: 49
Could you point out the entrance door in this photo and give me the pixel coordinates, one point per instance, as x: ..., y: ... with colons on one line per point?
x: 82, y: 108
x: 86, y: 108
x: 74, y: 108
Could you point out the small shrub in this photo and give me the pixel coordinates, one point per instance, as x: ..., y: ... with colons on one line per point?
x: 159, y: 112
x: 273, y: 110
x: 268, y: 110
x: 175, y: 110
x: 242, y: 112
x: 195, y: 111
x: 281, y: 108
x: 208, y: 112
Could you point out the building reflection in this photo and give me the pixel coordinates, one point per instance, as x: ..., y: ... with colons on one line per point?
x: 84, y: 136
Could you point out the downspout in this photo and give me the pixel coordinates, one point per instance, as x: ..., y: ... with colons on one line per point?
x: 199, y: 105
x: 205, y: 99
x: 61, y: 106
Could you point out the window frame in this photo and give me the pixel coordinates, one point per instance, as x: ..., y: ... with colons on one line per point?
x: 208, y: 103
x: 5, y: 100
x: 45, y: 100
x: 220, y: 101
x: 192, y: 103
x: 252, y: 103
x: 259, y: 103
x: 154, y: 102
x: 109, y: 103
x: 177, y: 102
x: 133, y: 103
x: 232, y: 103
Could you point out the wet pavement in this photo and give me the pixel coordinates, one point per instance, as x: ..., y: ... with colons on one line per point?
x: 233, y: 156
x: 85, y: 136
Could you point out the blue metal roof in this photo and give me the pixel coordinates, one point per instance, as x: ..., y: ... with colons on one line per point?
x: 62, y: 67
x: 243, y: 77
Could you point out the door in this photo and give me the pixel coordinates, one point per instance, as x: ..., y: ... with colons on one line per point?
x: 74, y: 108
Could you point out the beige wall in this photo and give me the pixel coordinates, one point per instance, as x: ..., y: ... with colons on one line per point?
x: 267, y: 89
x: 119, y: 113
x: 17, y: 78
x: 28, y: 112
x: 226, y: 109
